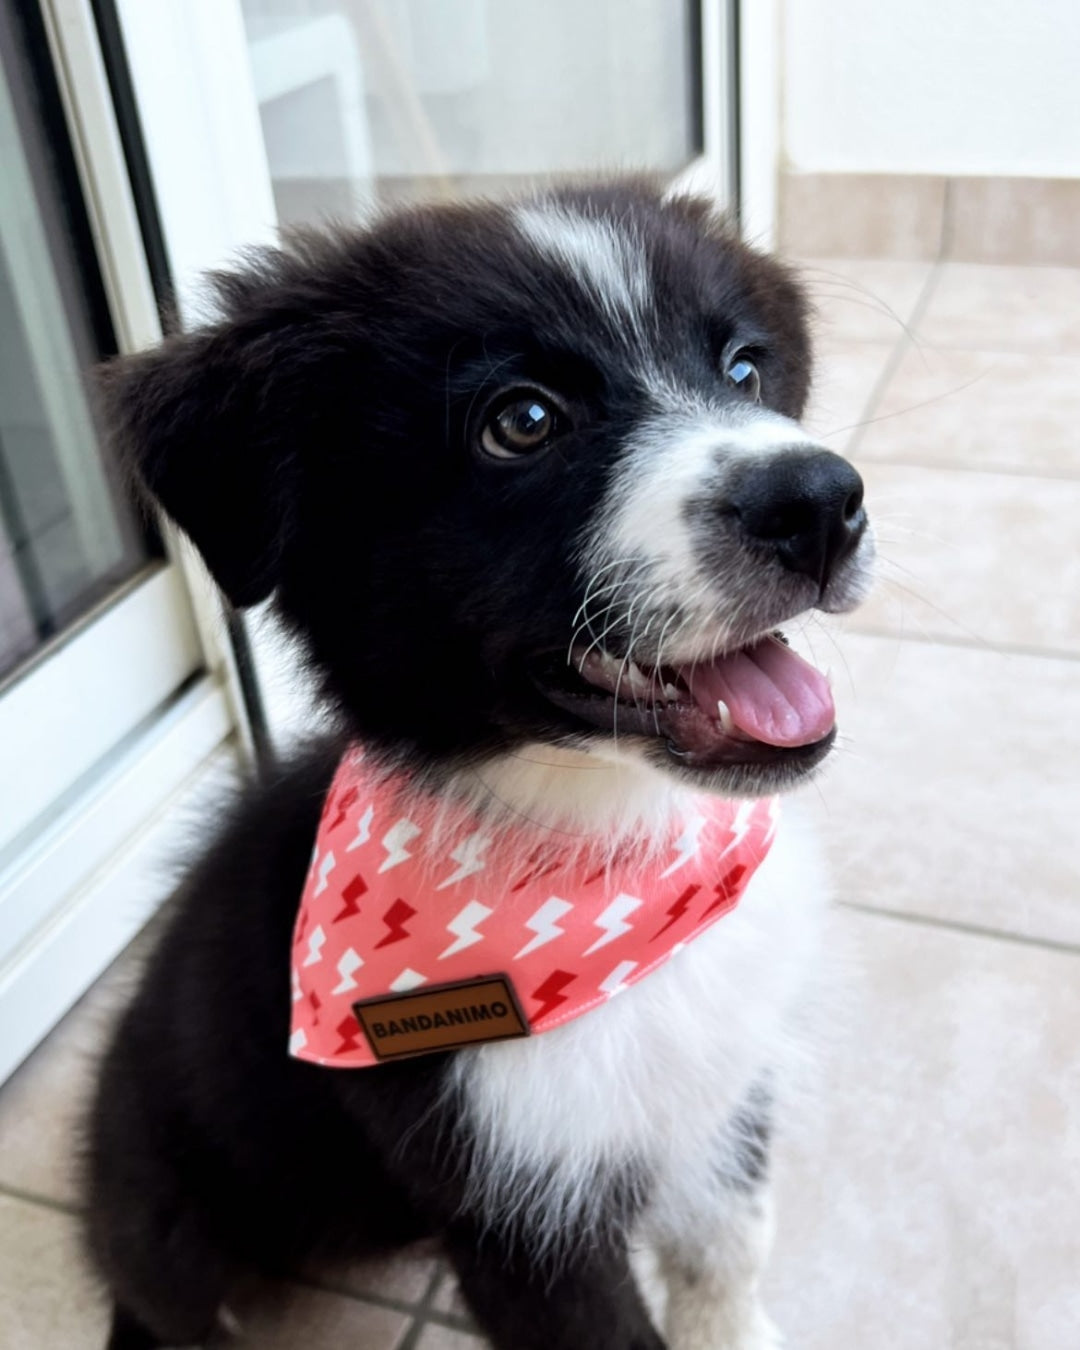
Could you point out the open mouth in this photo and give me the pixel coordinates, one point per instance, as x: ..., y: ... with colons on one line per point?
x: 760, y: 704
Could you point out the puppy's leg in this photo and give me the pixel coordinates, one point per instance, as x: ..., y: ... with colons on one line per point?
x: 588, y: 1298
x: 153, y: 1244
x: 713, y: 1301
x: 712, y: 1253
x: 128, y: 1334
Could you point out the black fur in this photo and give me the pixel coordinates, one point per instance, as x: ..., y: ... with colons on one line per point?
x: 320, y: 441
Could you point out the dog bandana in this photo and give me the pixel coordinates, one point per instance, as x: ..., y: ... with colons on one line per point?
x: 421, y: 931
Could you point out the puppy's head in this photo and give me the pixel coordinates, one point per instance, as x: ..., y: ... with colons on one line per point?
x: 520, y: 473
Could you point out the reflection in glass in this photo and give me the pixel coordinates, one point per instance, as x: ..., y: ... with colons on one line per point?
x: 365, y: 100
x: 66, y: 535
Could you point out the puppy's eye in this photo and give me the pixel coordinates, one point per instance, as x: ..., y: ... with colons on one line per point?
x: 744, y: 376
x: 521, y: 426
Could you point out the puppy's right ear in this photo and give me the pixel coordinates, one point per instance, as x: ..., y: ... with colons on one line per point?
x: 207, y: 426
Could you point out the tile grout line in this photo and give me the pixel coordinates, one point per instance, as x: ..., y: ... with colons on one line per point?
x: 426, y: 1315
x: 904, y: 343
x: 964, y: 929
x: 42, y: 1201
x: 421, y: 1309
x: 855, y: 629
x: 988, y: 471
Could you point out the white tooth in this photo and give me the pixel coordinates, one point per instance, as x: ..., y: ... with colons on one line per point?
x: 639, y: 681
x: 610, y: 664
x: 724, y: 713
x: 671, y: 693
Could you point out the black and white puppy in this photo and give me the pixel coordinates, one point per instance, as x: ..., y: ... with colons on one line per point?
x: 462, y: 448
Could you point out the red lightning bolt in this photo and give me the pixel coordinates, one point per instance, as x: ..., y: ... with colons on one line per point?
x: 349, y: 1031
x: 316, y: 1004
x: 726, y: 888
x: 550, y: 993
x: 342, y: 805
x: 595, y: 876
x: 537, y: 868
x: 351, y: 895
x: 395, y: 919
x: 677, y: 910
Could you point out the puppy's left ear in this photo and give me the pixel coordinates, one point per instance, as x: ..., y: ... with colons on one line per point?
x: 209, y: 426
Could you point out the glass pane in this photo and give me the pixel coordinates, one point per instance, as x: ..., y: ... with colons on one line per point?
x: 390, y: 99
x: 66, y: 534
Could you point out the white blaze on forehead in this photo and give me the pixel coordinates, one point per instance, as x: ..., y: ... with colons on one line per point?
x: 672, y: 460
x: 606, y: 260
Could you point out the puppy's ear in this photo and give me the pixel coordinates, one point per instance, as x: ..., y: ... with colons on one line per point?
x: 208, y: 428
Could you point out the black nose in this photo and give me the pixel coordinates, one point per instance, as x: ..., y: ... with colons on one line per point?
x: 806, y: 504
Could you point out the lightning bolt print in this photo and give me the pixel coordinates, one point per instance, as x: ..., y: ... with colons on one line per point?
x: 363, y: 829
x: 616, y: 981
x: 395, y: 919
x: 297, y: 1041
x: 677, y: 910
x: 351, y: 1035
x: 544, y: 923
x: 408, y: 979
x: 740, y: 826
x: 726, y: 887
x: 686, y: 846
x: 327, y: 865
x: 396, y: 841
x: 613, y: 921
x: 550, y: 993
x: 351, y: 895
x: 342, y: 805
x: 469, y: 853
x: 315, y: 944
x: 347, y: 967
x: 464, y: 925
x: 539, y: 863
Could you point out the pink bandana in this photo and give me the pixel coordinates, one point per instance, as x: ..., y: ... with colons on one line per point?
x: 399, y: 903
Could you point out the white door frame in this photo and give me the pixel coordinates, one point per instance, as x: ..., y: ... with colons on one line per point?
x: 116, y: 729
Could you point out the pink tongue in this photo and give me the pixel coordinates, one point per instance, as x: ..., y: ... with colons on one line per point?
x: 773, y: 695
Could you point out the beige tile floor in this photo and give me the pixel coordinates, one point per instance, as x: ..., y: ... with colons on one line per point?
x: 929, y: 1192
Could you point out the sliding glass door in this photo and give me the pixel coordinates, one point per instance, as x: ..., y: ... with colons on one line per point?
x: 106, y: 707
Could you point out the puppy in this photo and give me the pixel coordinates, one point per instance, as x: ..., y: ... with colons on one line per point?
x: 528, y: 482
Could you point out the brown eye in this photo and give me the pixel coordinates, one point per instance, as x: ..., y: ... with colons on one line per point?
x: 520, y: 427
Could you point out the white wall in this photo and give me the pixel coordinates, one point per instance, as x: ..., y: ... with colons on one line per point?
x: 932, y: 86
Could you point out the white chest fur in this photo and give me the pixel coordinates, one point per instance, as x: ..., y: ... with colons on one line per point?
x: 650, y: 1079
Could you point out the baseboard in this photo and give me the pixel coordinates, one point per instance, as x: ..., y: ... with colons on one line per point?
x: 988, y: 220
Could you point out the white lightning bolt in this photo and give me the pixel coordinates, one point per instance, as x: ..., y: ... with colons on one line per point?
x: 327, y: 865
x: 314, y: 947
x: 297, y: 992
x: 408, y: 979
x: 739, y: 826
x: 545, y: 924
x: 686, y: 846
x: 616, y: 981
x: 395, y: 840
x: 612, y: 921
x: 363, y: 829
x: 464, y: 926
x: 469, y: 854
x: 347, y: 967
x: 297, y: 1041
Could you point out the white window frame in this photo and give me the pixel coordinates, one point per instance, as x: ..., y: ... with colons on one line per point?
x: 119, y: 728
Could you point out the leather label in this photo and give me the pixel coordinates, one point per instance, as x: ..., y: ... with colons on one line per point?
x: 444, y: 1018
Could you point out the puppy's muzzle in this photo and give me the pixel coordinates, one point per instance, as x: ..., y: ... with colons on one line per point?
x: 806, y: 506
